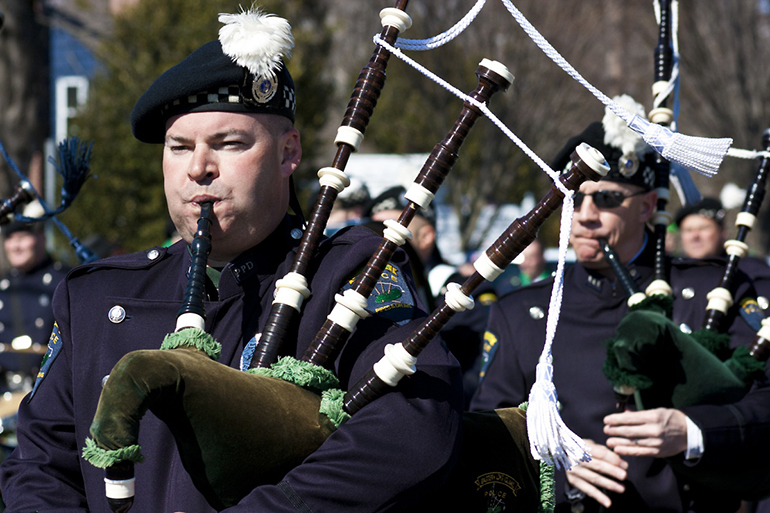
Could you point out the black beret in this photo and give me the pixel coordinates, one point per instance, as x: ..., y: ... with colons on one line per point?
x: 707, y: 207
x: 209, y: 80
x: 21, y: 226
x: 623, y: 168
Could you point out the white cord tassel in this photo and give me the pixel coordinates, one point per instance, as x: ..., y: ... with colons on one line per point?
x: 700, y: 154
x: 550, y: 439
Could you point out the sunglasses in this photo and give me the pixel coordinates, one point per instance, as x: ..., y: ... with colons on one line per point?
x: 605, y: 199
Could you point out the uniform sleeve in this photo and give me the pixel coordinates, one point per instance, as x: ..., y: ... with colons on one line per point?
x: 736, y: 436
x: 502, y: 381
x: 43, y: 473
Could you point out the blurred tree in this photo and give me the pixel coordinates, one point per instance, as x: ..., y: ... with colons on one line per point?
x: 726, y: 89
x: 147, y: 39
x: 24, y: 103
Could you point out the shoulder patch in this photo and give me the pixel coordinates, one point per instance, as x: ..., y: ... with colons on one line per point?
x: 488, y: 352
x: 487, y: 298
x: 54, y: 346
x: 391, y: 298
x: 752, y: 313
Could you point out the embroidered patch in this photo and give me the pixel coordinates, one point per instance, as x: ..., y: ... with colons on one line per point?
x: 54, y: 346
x: 391, y: 298
x: 497, y: 490
x: 488, y: 352
x: 752, y: 313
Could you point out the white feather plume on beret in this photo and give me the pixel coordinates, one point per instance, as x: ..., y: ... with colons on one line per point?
x: 616, y: 131
x: 256, y: 41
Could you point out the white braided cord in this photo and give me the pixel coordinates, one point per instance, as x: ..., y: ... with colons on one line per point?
x: 747, y: 154
x: 445, y: 37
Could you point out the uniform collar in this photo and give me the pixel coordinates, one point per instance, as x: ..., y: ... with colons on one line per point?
x: 263, y: 259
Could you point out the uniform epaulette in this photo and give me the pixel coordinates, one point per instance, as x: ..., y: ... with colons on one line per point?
x: 545, y: 283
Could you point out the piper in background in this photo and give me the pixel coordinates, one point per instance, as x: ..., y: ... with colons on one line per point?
x: 629, y: 470
x: 703, y: 235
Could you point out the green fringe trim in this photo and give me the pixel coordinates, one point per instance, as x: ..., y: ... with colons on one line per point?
x: 717, y: 343
x: 547, y: 482
x: 103, y: 458
x: 743, y: 365
x: 658, y: 302
x: 193, y: 337
x: 300, y: 373
x: 617, y: 376
x: 331, y: 406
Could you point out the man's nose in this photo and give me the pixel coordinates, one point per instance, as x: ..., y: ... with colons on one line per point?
x: 204, y: 164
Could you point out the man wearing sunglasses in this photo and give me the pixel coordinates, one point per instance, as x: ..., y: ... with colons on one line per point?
x: 629, y: 470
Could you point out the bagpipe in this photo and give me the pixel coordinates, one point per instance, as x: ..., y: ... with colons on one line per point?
x: 650, y: 354
x: 264, y: 422
x: 658, y: 364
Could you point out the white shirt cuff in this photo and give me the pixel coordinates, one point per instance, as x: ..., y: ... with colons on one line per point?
x: 694, y: 441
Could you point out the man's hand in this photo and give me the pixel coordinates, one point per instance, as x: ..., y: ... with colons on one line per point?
x: 605, y: 472
x: 659, y: 433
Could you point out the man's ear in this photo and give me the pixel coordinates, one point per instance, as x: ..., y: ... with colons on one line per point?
x: 291, y: 148
x: 649, y: 205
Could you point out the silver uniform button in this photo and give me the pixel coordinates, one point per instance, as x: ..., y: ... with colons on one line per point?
x: 296, y: 234
x: 684, y: 328
x: 4, y: 284
x: 536, y: 312
x: 39, y: 322
x: 44, y: 300
x: 762, y: 301
x: 153, y: 254
x: 688, y: 293
x: 47, y: 279
x: 104, y: 380
x: 117, y: 314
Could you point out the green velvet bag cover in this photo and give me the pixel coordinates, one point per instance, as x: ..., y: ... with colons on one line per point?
x: 233, y: 429
x: 496, y: 471
x: 670, y: 368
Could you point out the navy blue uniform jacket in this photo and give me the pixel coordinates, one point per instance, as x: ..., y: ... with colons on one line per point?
x: 734, y: 435
x: 384, y: 458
